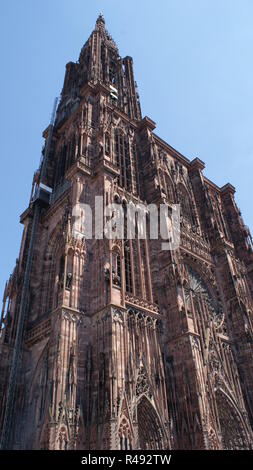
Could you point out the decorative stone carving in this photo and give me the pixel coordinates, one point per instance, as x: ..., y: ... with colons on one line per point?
x: 142, y: 348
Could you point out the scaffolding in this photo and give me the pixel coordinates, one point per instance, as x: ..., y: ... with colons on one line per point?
x: 40, y: 197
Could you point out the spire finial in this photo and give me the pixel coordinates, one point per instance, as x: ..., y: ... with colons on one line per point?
x: 100, y: 20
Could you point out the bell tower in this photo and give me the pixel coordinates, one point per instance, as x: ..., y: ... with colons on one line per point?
x: 112, y: 342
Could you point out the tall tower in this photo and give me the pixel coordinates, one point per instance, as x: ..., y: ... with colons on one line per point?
x: 123, y: 345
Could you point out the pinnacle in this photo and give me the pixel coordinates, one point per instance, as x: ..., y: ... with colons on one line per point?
x: 100, y: 26
x: 100, y: 20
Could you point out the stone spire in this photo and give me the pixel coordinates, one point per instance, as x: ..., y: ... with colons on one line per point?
x: 100, y: 62
x: 100, y: 27
x: 100, y: 23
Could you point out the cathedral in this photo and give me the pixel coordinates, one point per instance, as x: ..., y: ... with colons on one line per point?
x: 116, y: 343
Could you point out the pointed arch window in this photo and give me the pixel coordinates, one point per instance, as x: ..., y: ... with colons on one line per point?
x: 116, y: 268
x: 185, y: 205
x: 61, y: 268
x: 107, y: 144
x: 84, y: 116
x: 125, y: 435
x: 73, y: 149
x: 128, y: 272
x: 122, y: 157
x: 127, y: 255
x: 112, y: 71
x: 169, y: 188
x: 135, y: 175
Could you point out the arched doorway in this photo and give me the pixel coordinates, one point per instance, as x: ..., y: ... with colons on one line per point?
x: 149, y: 428
x: 233, y: 433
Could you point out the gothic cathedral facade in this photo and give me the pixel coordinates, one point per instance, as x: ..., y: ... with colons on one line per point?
x: 126, y: 345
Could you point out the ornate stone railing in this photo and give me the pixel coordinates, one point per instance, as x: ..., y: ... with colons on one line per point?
x: 38, y: 332
x: 195, y: 243
x: 141, y: 303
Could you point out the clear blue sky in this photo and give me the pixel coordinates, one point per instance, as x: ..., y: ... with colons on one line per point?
x: 193, y: 65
